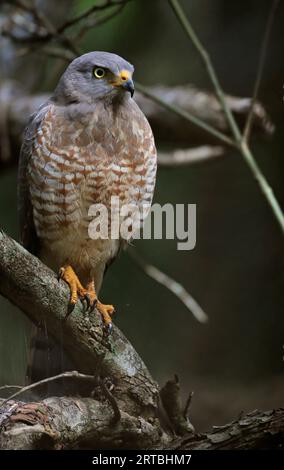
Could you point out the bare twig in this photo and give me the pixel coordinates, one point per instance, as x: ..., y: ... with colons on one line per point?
x: 8, y: 387
x: 185, y: 114
x: 112, y: 401
x: 208, y: 65
x: 94, y: 22
x: 239, y: 142
x: 177, y: 289
x: 90, y: 11
x: 69, y: 374
x: 181, y: 157
x: 188, y: 404
x: 19, y: 3
x: 263, y: 51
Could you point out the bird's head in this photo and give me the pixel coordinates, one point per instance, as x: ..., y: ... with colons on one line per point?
x: 94, y: 76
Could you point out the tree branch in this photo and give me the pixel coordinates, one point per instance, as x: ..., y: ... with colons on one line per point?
x: 16, y: 105
x: 183, y: 157
x: 186, y: 115
x: 127, y: 416
x: 239, y: 140
x: 255, y: 430
x: 36, y: 291
x: 72, y: 423
x: 263, y: 51
x: 173, y: 286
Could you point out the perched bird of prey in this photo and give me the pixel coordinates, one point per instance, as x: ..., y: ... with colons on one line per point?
x: 87, y: 143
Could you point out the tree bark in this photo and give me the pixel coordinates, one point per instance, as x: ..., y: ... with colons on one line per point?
x: 76, y: 423
x: 36, y: 291
x: 68, y: 423
x: 127, y: 417
x: 255, y: 430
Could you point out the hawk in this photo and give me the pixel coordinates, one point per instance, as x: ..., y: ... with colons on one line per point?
x: 90, y: 141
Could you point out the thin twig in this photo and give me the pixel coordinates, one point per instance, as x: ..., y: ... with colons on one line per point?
x: 185, y: 114
x: 208, y: 65
x: 50, y: 32
x: 98, y: 21
x: 7, y: 387
x: 72, y: 374
x: 90, y: 11
x: 177, y: 289
x: 263, y: 52
x: 65, y: 40
x: 187, y: 405
x: 112, y: 401
x: 241, y: 145
x: 18, y: 3
x: 58, y: 53
x: 191, y: 156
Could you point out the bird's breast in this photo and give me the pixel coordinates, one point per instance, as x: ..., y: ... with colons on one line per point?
x: 76, y: 164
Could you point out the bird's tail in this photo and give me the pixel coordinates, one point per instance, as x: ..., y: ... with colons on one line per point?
x: 46, y: 359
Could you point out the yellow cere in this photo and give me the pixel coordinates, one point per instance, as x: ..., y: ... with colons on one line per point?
x: 123, y: 76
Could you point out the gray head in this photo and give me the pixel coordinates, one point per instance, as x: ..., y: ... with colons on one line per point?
x: 94, y: 76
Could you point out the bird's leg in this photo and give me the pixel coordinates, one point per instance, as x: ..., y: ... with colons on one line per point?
x: 76, y: 289
x: 92, y: 295
x: 105, y: 310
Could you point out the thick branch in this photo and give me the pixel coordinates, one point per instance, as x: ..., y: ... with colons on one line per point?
x: 36, y: 291
x: 84, y: 422
x: 256, y: 430
x: 16, y: 106
x: 68, y: 423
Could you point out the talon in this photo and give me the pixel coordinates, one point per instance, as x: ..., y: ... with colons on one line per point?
x: 76, y: 289
x: 106, y: 311
x: 93, y: 306
x: 84, y: 304
x: 88, y: 301
x: 91, y: 293
x: 107, y: 329
x: 70, y: 308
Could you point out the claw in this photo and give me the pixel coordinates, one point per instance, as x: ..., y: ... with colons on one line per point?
x: 87, y: 296
x: 88, y: 302
x: 108, y: 328
x: 93, y: 306
x: 84, y: 304
x: 70, y: 308
x: 60, y: 274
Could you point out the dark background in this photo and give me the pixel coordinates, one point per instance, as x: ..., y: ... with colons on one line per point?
x: 234, y: 362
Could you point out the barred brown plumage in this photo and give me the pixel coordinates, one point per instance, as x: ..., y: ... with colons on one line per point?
x: 89, y: 142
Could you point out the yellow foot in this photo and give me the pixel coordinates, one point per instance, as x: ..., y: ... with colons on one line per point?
x: 76, y: 289
x: 105, y: 310
x: 91, y: 296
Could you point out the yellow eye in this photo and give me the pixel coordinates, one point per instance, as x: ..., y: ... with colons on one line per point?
x: 99, y: 72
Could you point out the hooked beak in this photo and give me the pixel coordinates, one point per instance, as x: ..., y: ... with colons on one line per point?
x: 124, y: 80
x: 129, y: 86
